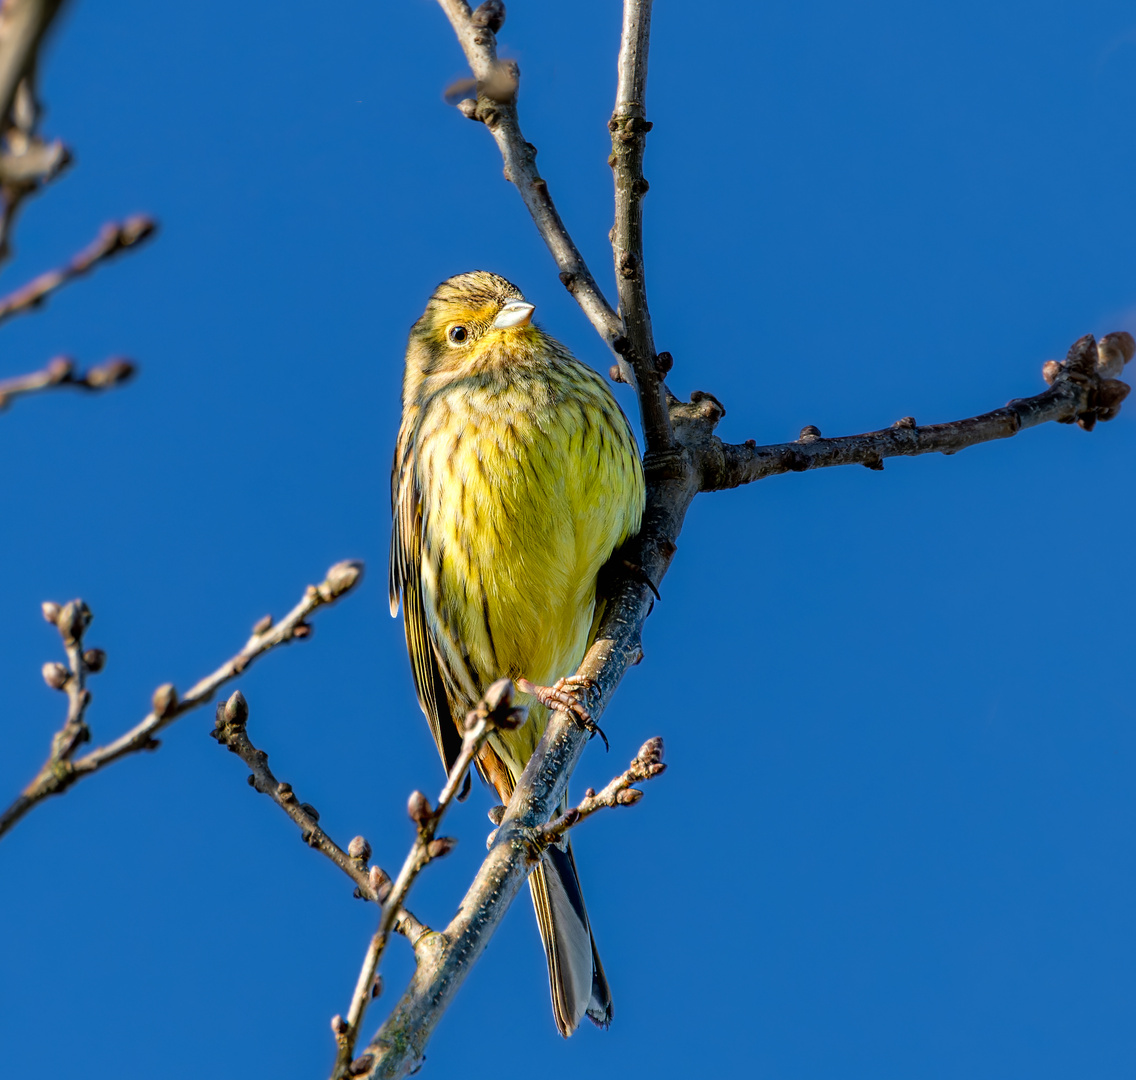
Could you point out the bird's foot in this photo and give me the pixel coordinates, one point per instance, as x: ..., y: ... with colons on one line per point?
x: 570, y: 694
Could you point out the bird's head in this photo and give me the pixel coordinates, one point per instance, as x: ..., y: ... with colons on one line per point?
x: 474, y: 322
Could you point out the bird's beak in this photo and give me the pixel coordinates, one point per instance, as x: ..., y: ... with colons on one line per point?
x: 514, y: 313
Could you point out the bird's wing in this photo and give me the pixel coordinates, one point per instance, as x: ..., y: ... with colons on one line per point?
x: 405, y: 578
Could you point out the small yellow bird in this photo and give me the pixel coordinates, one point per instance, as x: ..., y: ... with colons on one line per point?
x: 516, y: 476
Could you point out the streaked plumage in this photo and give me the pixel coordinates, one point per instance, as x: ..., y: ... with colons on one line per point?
x: 516, y: 475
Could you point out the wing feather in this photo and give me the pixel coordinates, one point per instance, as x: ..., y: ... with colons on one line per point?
x: 406, y: 579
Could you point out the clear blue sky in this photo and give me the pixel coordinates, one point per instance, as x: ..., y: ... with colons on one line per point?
x: 896, y: 837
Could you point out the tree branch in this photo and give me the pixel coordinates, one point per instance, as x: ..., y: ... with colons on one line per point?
x: 111, y: 240
x: 1082, y: 389
x: 371, y: 882
x: 61, y: 769
x: 495, y: 712
x: 61, y: 372
x: 645, y: 765
x: 496, y: 107
x: 629, y: 127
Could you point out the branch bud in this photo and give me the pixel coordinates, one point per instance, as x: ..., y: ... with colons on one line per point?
x: 499, y: 695
x: 236, y: 709
x: 95, y: 659
x: 74, y: 618
x: 165, y: 700
x: 50, y: 611
x: 310, y: 810
x: 359, y: 848
x: 342, y: 577
x: 55, y: 675
x: 1050, y: 370
x: 442, y: 846
x: 650, y: 752
x: 629, y: 796
x: 339, y: 1025
x: 418, y: 807
x: 301, y: 630
x: 376, y: 987
x: 497, y: 814
x: 362, y: 1064
x: 60, y: 370
x: 377, y: 879
x: 262, y: 625
x: 490, y: 15
x: 111, y: 373
x: 1113, y: 352
x: 1112, y: 392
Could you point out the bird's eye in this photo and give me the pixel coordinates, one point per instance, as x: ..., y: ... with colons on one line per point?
x: 457, y: 334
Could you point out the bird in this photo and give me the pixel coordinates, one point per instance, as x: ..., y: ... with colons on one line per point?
x: 516, y: 477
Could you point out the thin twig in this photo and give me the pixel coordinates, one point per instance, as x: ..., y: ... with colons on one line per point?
x: 371, y: 882
x: 496, y: 107
x: 629, y: 127
x: 1082, y: 389
x: 111, y: 240
x: 60, y: 772
x: 495, y: 712
x: 645, y: 765
x: 61, y: 372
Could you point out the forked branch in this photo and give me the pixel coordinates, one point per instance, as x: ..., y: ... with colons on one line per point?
x: 62, y: 768
x: 495, y: 712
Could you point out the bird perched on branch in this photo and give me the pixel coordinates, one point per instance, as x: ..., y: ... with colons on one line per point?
x: 516, y: 476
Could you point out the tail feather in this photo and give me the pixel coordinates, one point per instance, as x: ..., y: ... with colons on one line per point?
x: 575, y: 974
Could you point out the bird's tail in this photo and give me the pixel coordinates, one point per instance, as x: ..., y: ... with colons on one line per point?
x: 575, y: 974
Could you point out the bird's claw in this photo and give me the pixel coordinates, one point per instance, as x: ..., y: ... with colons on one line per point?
x: 566, y: 694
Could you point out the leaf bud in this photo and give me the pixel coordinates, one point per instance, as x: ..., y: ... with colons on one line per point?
x: 513, y: 719
x: 50, y: 611
x: 629, y: 796
x: 651, y: 751
x: 499, y: 695
x: 376, y: 987
x: 164, y: 701
x: 111, y: 373
x: 1112, y: 392
x: 262, y: 625
x: 95, y: 659
x: 442, y: 846
x: 340, y: 578
x: 55, y: 675
x: 489, y: 15
x: 359, y: 848
x: 362, y: 1064
x: 301, y: 630
x: 236, y: 709
x: 60, y: 369
x: 74, y: 618
x: 497, y: 814
x: 418, y: 807
x: 1113, y: 352
x: 339, y: 1025
x: 377, y: 879
x: 809, y: 433
x: 1050, y: 370
x: 310, y: 810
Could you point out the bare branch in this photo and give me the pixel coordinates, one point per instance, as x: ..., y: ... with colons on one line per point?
x: 494, y: 712
x: 60, y: 372
x: 371, y: 882
x: 629, y: 127
x: 59, y: 772
x: 1082, y: 390
x: 646, y: 765
x: 496, y: 107
x: 111, y: 240
x: 22, y: 26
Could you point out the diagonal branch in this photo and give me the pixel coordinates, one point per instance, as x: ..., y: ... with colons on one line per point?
x: 495, y: 712
x: 371, y: 883
x: 111, y: 240
x: 1082, y: 389
x: 496, y: 107
x: 61, y: 769
x: 60, y: 372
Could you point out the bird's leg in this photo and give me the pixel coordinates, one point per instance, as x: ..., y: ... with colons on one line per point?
x: 567, y: 694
